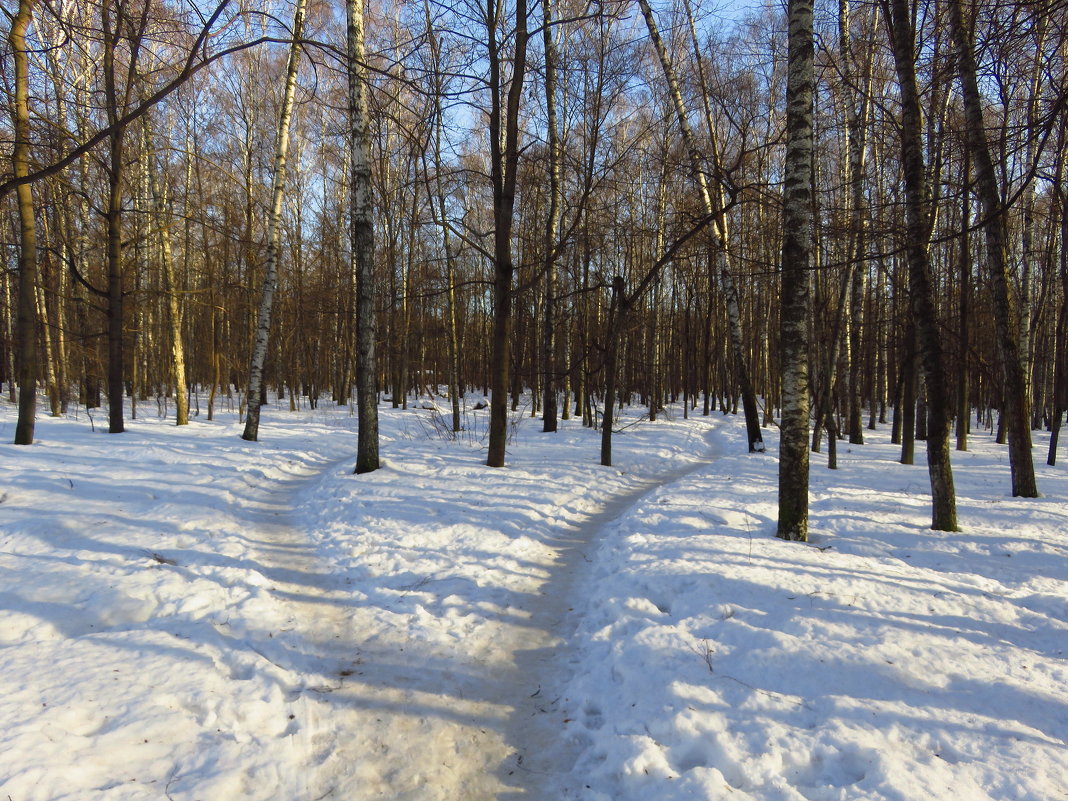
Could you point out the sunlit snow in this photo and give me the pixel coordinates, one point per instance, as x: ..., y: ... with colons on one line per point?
x: 192, y: 617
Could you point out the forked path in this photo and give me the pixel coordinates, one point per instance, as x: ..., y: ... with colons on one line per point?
x: 390, y: 717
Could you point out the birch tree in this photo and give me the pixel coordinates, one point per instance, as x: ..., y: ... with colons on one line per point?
x: 174, y: 313
x: 438, y: 210
x: 796, y: 260
x: 274, y: 234
x: 362, y: 238
x: 713, y: 205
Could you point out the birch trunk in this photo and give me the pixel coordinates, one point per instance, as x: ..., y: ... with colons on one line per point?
x: 274, y: 236
x: 1028, y: 251
x: 174, y: 313
x: 49, y: 360
x: 712, y: 202
x: 796, y: 260
x: 363, y: 243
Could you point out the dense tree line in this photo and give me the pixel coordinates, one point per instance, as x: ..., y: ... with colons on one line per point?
x: 601, y: 203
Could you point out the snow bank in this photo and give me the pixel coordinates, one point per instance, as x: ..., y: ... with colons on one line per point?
x: 882, y: 661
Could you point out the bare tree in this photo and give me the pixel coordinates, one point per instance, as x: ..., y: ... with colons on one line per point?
x: 918, y: 222
x: 362, y: 238
x: 552, y: 223
x: 796, y: 262
x: 1006, y: 315
x: 174, y: 313
x: 26, y: 321
x: 713, y: 205
x: 504, y: 162
x: 274, y: 234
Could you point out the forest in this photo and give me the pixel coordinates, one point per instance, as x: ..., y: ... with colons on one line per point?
x: 798, y: 270
x: 827, y: 217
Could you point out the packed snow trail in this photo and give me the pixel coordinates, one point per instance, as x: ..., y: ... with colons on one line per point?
x: 543, y: 752
x: 413, y: 708
x: 316, y: 642
x: 339, y: 712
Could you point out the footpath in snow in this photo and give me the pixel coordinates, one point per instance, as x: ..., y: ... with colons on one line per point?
x: 189, y: 616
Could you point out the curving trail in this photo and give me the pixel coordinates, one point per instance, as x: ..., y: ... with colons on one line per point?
x: 541, y: 755
x: 387, y: 716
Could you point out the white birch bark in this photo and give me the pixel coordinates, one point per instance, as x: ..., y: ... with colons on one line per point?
x: 362, y: 232
x: 796, y: 263
x: 274, y: 235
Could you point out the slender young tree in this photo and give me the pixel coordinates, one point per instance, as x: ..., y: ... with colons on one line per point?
x: 26, y: 321
x: 362, y: 237
x: 174, y: 313
x: 713, y: 205
x: 274, y: 234
x: 1060, y: 361
x: 436, y: 192
x: 552, y: 223
x: 796, y: 260
x: 858, y: 92
x: 117, y: 27
x: 504, y: 163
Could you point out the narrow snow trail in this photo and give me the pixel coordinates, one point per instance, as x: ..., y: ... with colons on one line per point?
x: 316, y: 643
x: 437, y: 707
x: 543, y: 754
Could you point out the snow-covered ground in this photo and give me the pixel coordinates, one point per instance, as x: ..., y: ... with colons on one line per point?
x: 188, y: 616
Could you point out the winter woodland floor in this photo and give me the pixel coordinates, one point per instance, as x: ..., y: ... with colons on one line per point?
x: 187, y: 616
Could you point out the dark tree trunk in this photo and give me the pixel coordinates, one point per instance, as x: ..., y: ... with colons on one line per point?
x: 548, y: 345
x: 113, y: 246
x: 26, y: 320
x: 1005, y: 315
x: 504, y: 169
x: 964, y: 332
x: 921, y: 293
x: 617, y: 313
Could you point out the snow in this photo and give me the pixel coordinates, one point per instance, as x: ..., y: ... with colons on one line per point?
x: 189, y: 616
